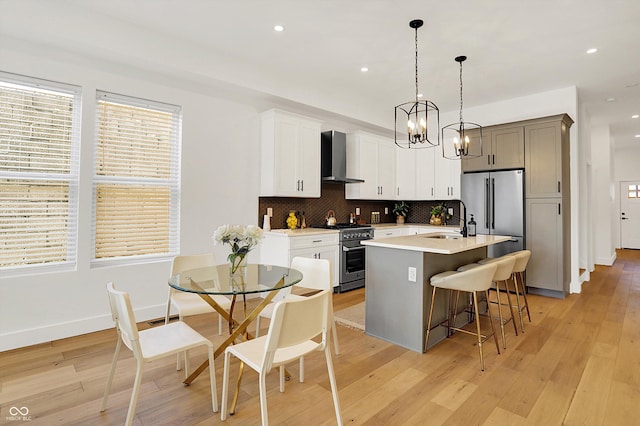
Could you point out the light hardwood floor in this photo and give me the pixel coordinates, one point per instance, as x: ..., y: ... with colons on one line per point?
x: 578, y: 362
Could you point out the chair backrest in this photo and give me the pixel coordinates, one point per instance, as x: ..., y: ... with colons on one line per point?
x: 193, y: 261
x: 478, y: 278
x: 522, y: 259
x: 316, y: 273
x: 505, y: 267
x: 296, y: 321
x: 123, y: 316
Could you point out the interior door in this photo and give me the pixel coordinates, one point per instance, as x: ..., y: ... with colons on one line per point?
x: 630, y: 214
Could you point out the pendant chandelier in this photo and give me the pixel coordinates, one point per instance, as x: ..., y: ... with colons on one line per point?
x: 412, y: 119
x: 455, y: 137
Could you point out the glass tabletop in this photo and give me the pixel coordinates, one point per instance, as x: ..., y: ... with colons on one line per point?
x: 257, y: 278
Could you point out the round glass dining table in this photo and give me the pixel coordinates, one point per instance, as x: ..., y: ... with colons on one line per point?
x: 253, y: 278
x: 250, y: 279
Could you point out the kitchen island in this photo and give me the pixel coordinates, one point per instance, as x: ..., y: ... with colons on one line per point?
x: 398, y: 292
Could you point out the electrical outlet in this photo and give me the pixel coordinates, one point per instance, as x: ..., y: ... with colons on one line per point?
x: 450, y: 211
x: 386, y: 210
x: 412, y: 274
x: 357, y: 211
x: 269, y: 211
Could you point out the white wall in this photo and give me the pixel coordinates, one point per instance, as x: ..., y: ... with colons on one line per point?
x: 626, y: 162
x: 602, y: 197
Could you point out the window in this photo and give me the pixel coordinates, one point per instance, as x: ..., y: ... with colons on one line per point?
x: 39, y: 148
x: 633, y: 191
x: 136, y: 186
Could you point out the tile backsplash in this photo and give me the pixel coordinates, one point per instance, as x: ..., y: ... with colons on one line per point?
x: 333, y: 198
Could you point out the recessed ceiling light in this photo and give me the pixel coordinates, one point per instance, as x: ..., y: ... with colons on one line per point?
x: 637, y: 136
x: 635, y: 116
x: 278, y: 28
x: 364, y: 69
x: 419, y: 95
x: 592, y: 50
x: 611, y: 99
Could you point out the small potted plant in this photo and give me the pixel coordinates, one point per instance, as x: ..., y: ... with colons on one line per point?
x: 437, y: 214
x: 400, y: 209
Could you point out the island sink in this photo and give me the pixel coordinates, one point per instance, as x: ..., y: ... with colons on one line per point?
x: 443, y: 236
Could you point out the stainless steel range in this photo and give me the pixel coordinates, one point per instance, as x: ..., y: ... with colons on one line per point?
x: 352, y: 254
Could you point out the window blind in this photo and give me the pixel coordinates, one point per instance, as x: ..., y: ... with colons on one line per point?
x: 137, y: 178
x: 39, y: 150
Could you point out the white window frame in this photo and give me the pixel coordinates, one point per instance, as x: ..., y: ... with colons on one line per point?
x: 173, y: 182
x: 68, y: 176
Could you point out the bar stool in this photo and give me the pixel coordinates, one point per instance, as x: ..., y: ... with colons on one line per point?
x: 522, y: 259
x: 472, y: 281
x: 503, y: 273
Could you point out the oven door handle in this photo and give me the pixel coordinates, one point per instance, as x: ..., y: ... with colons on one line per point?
x: 347, y: 249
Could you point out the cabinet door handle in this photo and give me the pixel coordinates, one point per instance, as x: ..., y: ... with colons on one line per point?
x: 316, y: 241
x: 558, y: 186
x: 493, y: 157
x: 302, y: 185
x: 558, y: 208
x: 432, y: 191
x: 398, y: 191
x: 488, y: 159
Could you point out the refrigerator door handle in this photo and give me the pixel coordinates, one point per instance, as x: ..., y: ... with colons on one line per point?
x: 493, y: 203
x: 486, y: 203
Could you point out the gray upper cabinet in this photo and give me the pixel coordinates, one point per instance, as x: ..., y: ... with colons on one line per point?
x: 502, y: 149
x: 547, y: 157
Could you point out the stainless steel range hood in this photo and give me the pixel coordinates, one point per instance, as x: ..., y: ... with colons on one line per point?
x: 333, y: 150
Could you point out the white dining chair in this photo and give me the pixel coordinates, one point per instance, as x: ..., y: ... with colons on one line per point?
x: 188, y: 304
x: 316, y: 275
x: 294, y: 326
x: 149, y: 345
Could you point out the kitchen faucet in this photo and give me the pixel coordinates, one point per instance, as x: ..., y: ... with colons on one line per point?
x: 463, y: 231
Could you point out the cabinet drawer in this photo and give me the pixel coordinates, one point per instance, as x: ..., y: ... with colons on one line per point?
x: 313, y: 240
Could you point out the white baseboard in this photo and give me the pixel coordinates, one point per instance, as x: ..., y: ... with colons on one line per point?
x: 34, y: 336
x: 606, y: 261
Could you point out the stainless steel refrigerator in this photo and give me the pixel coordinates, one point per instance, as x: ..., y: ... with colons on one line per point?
x: 496, y: 201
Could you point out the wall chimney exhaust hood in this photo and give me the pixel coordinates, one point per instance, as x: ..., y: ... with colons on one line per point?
x: 333, y: 149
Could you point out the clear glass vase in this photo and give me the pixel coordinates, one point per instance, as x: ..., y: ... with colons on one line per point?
x: 238, y: 267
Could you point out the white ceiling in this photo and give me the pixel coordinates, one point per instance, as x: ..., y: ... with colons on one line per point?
x: 515, y: 48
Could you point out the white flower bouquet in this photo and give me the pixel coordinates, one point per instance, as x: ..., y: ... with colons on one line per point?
x: 241, y: 239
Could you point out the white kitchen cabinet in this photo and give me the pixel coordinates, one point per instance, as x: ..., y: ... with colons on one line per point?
x: 279, y: 248
x: 387, y: 232
x: 447, y: 178
x: 406, y: 173
x: 290, y: 155
x: 425, y: 173
x: 415, y: 174
x: 372, y: 158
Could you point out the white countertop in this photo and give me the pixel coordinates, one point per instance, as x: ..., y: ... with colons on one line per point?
x: 423, y: 243
x: 297, y: 232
